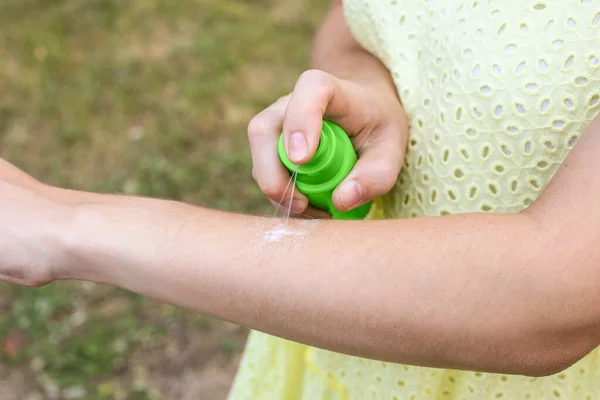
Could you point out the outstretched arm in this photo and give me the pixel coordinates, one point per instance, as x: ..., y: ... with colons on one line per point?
x: 500, y: 293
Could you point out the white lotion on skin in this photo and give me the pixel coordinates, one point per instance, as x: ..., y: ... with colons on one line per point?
x: 284, y: 231
x: 281, y: 231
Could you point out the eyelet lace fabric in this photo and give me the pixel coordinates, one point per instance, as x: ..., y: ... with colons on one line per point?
x: 497, y: 93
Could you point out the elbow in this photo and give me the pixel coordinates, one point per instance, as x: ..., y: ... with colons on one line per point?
x: 560, y: 319
x: 544, y: 342
x: 551, y: 353
x: 547, y: 368
x: 554, y: 347
x: 534, y: 356
x: 543, y: 362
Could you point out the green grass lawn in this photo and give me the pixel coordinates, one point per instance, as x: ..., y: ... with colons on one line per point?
x: 148, y: 97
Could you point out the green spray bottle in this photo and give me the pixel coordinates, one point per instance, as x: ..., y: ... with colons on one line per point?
x: 320, y: 176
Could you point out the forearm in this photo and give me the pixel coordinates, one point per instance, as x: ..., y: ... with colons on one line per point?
x: 501, y: 293
x: 337, y: 52
x: 455, y: 291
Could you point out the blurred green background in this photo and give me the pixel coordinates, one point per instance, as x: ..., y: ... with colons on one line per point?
x: 148, y: 97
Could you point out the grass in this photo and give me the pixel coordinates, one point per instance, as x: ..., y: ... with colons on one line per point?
x: 148, y: 97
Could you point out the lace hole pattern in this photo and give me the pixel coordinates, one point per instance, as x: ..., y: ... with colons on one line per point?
x: 489, y: 102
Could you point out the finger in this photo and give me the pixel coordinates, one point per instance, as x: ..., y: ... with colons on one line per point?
x: 269, y: 172
x: 318, y: 94
x: 313, y: 213
x: 374, y: 174
x: 303, y: 120
x: 308, y: 213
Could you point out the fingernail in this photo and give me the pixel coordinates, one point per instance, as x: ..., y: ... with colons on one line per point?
x: 298, y: 147
x: 351, y: 193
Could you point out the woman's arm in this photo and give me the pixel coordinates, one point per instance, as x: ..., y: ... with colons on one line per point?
x: 499, y: 293
x: 335, y: 51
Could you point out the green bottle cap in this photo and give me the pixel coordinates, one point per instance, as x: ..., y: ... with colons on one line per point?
x: 320, y: 176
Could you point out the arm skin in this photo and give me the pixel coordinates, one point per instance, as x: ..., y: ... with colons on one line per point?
x: 512, y: 293
x: 337, y: 52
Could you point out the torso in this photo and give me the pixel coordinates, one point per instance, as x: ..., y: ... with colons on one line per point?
x: 496, y: 92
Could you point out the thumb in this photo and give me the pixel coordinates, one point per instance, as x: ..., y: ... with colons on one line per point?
x: 373, y: 175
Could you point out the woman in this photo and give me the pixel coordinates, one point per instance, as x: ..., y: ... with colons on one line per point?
x: 499, y: 272
x: 496, y: 94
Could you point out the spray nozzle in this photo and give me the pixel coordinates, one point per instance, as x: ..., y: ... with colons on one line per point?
x: 332, y: 162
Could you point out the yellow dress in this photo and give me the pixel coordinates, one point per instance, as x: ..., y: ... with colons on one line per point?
x: 497, y: 93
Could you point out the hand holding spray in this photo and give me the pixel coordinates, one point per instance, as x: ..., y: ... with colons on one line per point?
x: 318, y: 178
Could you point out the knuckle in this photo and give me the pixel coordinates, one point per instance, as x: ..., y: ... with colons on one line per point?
x: 256, y: 127
x: 386, y: 169
x: 315, y: 75
x: 321, y: 82
x: 265, y: 121
x: 388, y: 177
x: 379, y: 179
x: 272, y: 191
x: 282, y: 101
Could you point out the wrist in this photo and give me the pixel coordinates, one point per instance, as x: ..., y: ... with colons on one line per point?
x: 108, y: 236
x: 81, y: 239
x: 68, y: 239
x: 45, y: 248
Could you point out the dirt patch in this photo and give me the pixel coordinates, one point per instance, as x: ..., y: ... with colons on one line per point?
x: 197, y: 365
x: 13, y: 384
